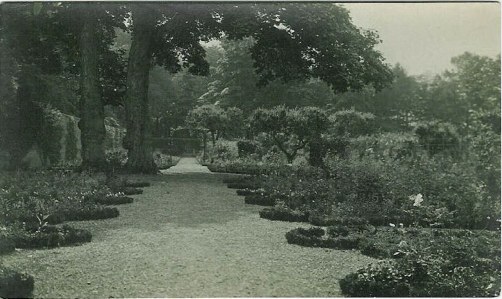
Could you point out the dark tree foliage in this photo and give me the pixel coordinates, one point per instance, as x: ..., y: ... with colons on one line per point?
x: 293, y: 42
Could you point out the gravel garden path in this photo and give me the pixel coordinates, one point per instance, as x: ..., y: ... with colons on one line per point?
x: 187, y: 235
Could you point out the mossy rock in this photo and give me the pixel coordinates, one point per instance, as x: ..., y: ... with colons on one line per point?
x: 15, y: 285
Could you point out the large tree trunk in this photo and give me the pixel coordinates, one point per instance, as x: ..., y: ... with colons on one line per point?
x: 140, y: 155
x: 91, y: 124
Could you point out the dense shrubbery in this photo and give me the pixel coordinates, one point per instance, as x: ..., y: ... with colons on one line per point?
x: 434, y: 263
x: 14, y: 284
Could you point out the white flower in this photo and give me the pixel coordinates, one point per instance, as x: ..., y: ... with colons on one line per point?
x: 392, y: 224
x: 417, y: 199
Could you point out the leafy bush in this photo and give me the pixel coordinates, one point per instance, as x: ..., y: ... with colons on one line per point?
x: 247, y: 147
x: 437, y: 137
x: 15, y: 285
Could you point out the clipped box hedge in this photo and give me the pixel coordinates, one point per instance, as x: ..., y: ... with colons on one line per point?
x: 90, y: 212
x: 114, y: 200
x: 50, y: 237
x: 258, y: 199
x: 15, y: 285
x: 137, y: 184
x: 283, y: 214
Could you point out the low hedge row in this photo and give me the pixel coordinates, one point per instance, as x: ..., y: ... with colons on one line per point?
x: 15, y: 285
x: 283, y: 214
x: 244, y: 192
x: 131, y: 191
x: 258, y: 199
x: 137, y: 184
x: 320, y: 220
x: 50, y: 237
x: 242, y: 185
x: 239, y: 179
x: 317, y: 237
x: 114, y: 200
x: 90, y: 212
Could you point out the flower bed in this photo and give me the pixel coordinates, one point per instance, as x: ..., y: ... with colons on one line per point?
x: 14, y: 284
x: 283, y: 214
x: 259, y: 199
x: 50, y: 237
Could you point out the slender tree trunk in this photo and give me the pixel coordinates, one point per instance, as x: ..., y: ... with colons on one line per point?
x: 213, y: 138
x: 316, y: 152
x: 140, y: 154
x: 204, y: 149
x: 92, y: 121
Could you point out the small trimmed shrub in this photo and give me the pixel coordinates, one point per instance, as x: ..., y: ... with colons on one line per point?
x: 283, y: 214
x: 51, y: 236
x: 15, y: 285
x: 258, y: 199
x: 311, y: 237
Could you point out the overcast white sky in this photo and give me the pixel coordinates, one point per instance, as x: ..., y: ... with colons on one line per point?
x: 424, y: 36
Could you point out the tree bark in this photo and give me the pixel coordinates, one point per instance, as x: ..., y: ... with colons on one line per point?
x: 92, y: 121
x: 140, y: 154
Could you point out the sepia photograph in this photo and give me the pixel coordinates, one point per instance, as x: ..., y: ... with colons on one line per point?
x: 202, y: 149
